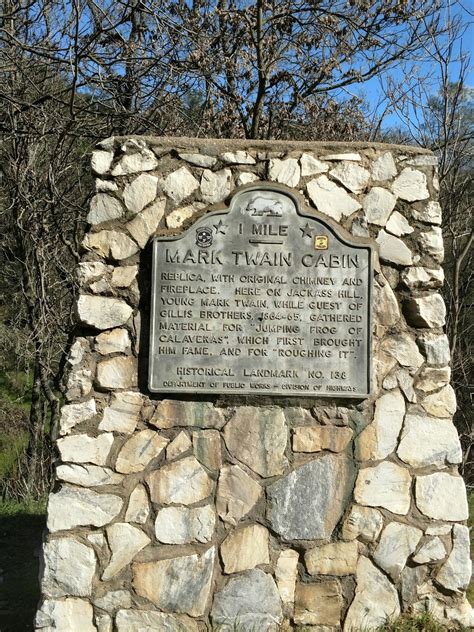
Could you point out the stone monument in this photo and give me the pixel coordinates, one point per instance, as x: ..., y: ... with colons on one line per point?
x: 258, y: 430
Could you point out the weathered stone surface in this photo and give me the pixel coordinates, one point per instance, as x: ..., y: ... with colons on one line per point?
x: 422, y: 278
x: 331, y: 199
x: 435, y: 347
x: 246, y: 178
x: 423, y: 161
x: 125, y: 541
x: 462, y: 614
x: 285, y: 171
x: 318, y: 604
x: 379, y: 438
x: 249, y: 601
x: 387, y: 311
x: 455, y: 574
x: 425, y: 311
x: 384, y: 167
x: 442, y: 403
x: 72, y: 507
x: 200, y: 160
x: 397, y: 543
x: 258, y: 437
x: 97, y: 539
x: 190, y: 589
x: 170, y: 413
x: 310, y: 165
x: 317, y: 438
x: 393, y: 249
x: 78, y: 352
x: 67, y: 615
x: 103, y: 622
x: 69, y: 568
x: 410, y: 185
x: 405, y: 381
x: 375, y: 601
x: 216, y: 186
x: 404, y: 349
x: 431, y: 243
x: 398, y: 225
x: 182, y: 525
x: 238, y: 158
x: 441, y: 496
x: 140, y: 620
x: 180, y: 184
x: 180, y: 444
x: 123, y: 276
x: 102, y: 312
x: 411, y: 578
x: 245, y: 548
x: 431, y: 551
x: 139, y: 451
x: 113, y: 600
x: 362, y: 522
x: 429, y: 441
x: 207, y: 448
x: 73, y: 414
x: 101, y: 161
x: 137, y: 157
x: 122, y: 414
x: 286, y: 570
x: 237, y: 494
x: 177, y: 218
x: 103, y: 208
x: 386, y: 485
x: 138, y: 507
x: 353, y: 177
x: 348, y: 156
x: 433, y: 378
x: 110, y: 243
x: 118, y: 372
x: 336, y: 558
x: 184, y: 482
x: 144, y: 225
x: 308, y: 503
x: 437, y: 528
x: 84, y: 449
x: 104, y: 186
x: 430, y: 213
x: 87, y: 475
x: 378, y: 204
x: 114, y: 341
x: 79, y: 383
x: 359, y: 227
x: 140, y: 192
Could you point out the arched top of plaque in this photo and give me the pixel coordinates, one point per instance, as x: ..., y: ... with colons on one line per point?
x: 262, y: 298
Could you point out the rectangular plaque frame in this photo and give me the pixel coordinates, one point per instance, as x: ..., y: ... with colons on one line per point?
x: 216, y: 325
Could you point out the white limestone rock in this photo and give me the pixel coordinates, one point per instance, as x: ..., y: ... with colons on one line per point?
x: 125, y: 541
x: 245, y: 548
x: 78, y: 351
x: 139, y: 451
x: 136, y: 157
x: 101, y: 161
x: 364, y: 523
x: 426, y: 311
x: 180, y: 444
x: 410, y: 185
x: 216, y: 186
x: 138, y: 508
x: 180, y: 482
x: 318, y: 438
x: 79, y: 383
x: 424, y: 160
x: 84, y: 449
x: 398, y: 225
x: 118, y: 372
x: 122, y: 414
x: 422, y: 278
x: 393, y: 249
x: 66, y: 615
x: 286, y: 571
x: 73, y: 507
x: 431, y: 243
x: 285, y: 171
x: 352, y: 176
x: 140, y: 192
x: 73, y: 414
x: 238, y: 158
x: 430, y: 213
x: 148, y: 620
x: 145, y: 224
x: 87, y: 475
x: 441, y: 496
x: 335, y: 558
x: 349, y: 156
x: 200, y: 160
x: 103, y: 208
x: 433, y: 378
x: 375, y: 601
x: 123, y: 276
x: 105, y: 186
x: 404, y: 349
x: 397, y: 543
x: 455, y: 574
x: 311, y: 166
x: 435, y: 347
x: 384, y: 167
x: 177, y: 217
x: 442, y: 403
x: 431, y: 551
x: 331, y: 199
x: 114, y: 341
x: 245, y: 177
x: 69, y: 567
x: 89, y: 271
x: 113, y: 600
x: 378, y: 204
x: 207, y: 448
x: 180, y: 184
x: 183, y: 525
x: 379, y: 438
x: 429, y: 441
x: 102, y: 312
x: 237, y: 494
x: 110, y: 243
x: 171, y: 413
x: 386, y: 485
x: 436, y: 528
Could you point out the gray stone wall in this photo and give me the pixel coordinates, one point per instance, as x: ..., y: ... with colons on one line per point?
x: 256, y: 514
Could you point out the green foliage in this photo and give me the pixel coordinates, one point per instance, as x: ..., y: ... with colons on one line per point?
x: 423, y: 622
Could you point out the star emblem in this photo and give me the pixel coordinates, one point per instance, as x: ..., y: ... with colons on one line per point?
x: 220, y: 227
x: 306, y: 231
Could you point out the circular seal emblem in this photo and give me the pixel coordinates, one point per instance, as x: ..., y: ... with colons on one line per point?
x: 203, y: 237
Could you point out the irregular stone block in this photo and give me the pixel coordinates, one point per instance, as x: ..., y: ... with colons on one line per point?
x: 410, y: 185
x: 310, y: 165
x: 139, y: 451
x: 387, y: 311
x: 404, y: 349
x: 113, y: 600
x: 145, y: 224
x: 216, y: 186
x: 431, y: 551
x: 238, y: 158
x: 349, y: 156
x: 379, y: 438
x: 137, y: 157
x: 118, y: 372
x: 393, y: 249
x: 207, y: 448
x: 398, y: 225
x: 353, y: 177
x: 386, y: 485
x: 138, y: 507
x: 435, y: 347
x: 317, y: 438
x: 362, y: 522
x: 87, y: 475
x: 199, y: 159
x: 331, y: 199
x: 377, y: 205
x: 431, y: 243
x: 182, y: 525
x: 250, y: 601
x: 455, y: 574
x: 180, y: 184
x: 442, y: 403
x: 110, y: 243
x: 429, y: 441
x: 180, y: 444
x: 177, y: 218
x: 102, y: 312
x: 246, y: 178
x: 103, y: 208
x: 285, y: 171
x: 286, y: 570
x: 441, y: 496
x: 336, y: 558
x: 245, y: 548
x: 67, y: 615
x: 131, y: 620
x: 122, y: 414
x: 170, y: 413
x: 123, y: 276
x: 397, y: 543
x: 384, y: 167
x: 190, y: 589
x: 84, y: 449
x: 72, y: 507
x: 430, y: 213
x: 140, y: 192
x: 431, y: 379
x: 73, y: 414
x: 114, y: 341
x: 125, y: 541
x: 101, y: 161
x: 69, y: 567
x: 184, y: 482
x: 308, y: 503
x: 425, y: 311
x: 258, y: 437
x: 79, y: 383
x: 318, y: 604
x: 237, y: 494
x: 422, y: 278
